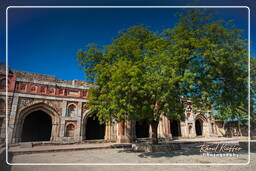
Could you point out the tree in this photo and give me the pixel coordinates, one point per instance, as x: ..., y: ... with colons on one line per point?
x: 253, y: 92
x: 213, y: 58
x: 132, y: 85
x: 143, y: 74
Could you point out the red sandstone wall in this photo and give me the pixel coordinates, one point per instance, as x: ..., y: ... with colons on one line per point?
x: 41, y: 89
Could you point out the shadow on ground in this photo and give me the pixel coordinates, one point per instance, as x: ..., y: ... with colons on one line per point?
x: 3, y: 165
x: 189, y: 150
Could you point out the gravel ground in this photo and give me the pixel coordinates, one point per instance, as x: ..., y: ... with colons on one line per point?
x: 133, y: 168
x: 125, y: 156
x: 119, y: 155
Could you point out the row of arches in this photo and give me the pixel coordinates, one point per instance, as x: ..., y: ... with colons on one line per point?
x: 38, y: 124
x: 38, y: 127
x: 142, y: 128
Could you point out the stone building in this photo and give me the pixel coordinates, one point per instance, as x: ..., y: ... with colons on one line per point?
x: 44, y: 108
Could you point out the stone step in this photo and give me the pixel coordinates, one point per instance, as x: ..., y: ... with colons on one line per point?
x: 26, y: 145
x: 63, y: 148
x: 49, y: 143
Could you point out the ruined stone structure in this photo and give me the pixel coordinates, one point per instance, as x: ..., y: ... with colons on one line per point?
x: 44, y: 108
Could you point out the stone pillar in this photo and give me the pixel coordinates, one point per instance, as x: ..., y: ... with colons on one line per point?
x: 12, y: 128
x: 77, y: 135
x: 123, y: 132
x: 115, y: 130
x: 2, y: 129
x: 78, y: 125
x: 107, y: 132
x: 129, y: 130
x: 150, y: 131
x: 159, y: 130
x: 120, y: 128
x: 184, y: 130
x: 55, y: 130
x: 166, y: 127
x: 110, y: 132
x: 206, y: 128
x: 162, y: 126
x: 62, y: 122
x: 113, y: 135
x: 194, y: 129
x: 120, y: 132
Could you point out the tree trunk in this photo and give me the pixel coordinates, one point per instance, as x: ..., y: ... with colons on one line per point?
x: 154, y: 125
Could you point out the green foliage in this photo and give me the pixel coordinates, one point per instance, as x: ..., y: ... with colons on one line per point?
x: 212, y: 62
x: 253, y: 91
x: 143, y: 74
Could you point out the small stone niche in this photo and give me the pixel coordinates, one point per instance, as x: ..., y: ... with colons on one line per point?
x: 70, y: 127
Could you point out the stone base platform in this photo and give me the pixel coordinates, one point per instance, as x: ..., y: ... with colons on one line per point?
x: 60, y: 148
x: 42, y: 147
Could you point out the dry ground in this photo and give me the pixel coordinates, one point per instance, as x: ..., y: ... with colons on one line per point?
x: 119, y: 155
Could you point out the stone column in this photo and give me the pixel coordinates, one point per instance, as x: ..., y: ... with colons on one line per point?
x: 162, y: 127
x: 183, y: 129
x: 107, y: 132
x: 62, y: 122
x: 55, y: 130
x: 78, y: 136
x: 115, y: 130
x: 206, y: 128
x: 159, y: 130
x: 167, y: 127
x: 110, y: 132
x: 150, y: 131
x: 12, y: 128
x: 120, y: 128
x: 113, y: 135
x: 194, y: 129
x: 124, y: 132
x: 129, y: 130
x: 121, y: 132
x: 2, y: 129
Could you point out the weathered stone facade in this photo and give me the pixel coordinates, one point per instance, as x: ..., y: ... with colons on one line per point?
x: 64, y: 103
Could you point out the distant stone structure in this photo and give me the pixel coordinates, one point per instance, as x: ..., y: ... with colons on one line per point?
x: 44, y: 108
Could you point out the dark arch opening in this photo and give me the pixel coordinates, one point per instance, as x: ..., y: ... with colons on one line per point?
x: 175, y: 128
x: 198, y: 128
x: 94, y: 130
x: 142, y: 129
x: 37, y: 126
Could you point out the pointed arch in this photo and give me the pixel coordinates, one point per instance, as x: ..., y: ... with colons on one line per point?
x: 35, y: 109
x: 91, y: 129
x: 200, y: 122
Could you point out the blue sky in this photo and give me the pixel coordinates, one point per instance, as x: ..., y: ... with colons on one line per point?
x: 46, y: 40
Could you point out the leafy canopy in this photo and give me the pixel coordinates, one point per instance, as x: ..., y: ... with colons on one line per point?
x: 143, y: 74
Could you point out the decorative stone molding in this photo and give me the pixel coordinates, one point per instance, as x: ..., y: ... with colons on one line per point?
x: 26, y: 102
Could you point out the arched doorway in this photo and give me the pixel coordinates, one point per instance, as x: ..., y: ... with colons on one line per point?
x: 175, y: 128
x: 37, y: 126
x: 142, y: 129
x: 199, y: 128
x: 93, y: 129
